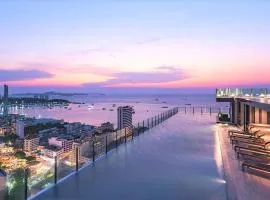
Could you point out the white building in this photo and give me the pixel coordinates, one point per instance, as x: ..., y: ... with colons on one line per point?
x: 65, y: 144
x: 31, y: 144
x: 124, y: 117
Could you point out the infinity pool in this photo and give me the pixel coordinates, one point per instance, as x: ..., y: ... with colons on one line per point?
x: 179, y: 159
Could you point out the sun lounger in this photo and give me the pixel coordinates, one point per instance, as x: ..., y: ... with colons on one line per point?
x: 254, y: 141
x: 252, y: 149
x: 254, y: 165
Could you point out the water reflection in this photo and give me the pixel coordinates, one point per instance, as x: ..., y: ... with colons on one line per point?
x: 178, y: 159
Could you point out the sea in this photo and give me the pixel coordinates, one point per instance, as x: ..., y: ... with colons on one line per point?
x: 103, y: 108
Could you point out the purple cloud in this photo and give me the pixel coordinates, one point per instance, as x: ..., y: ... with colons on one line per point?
x: 21, y: 74
x: 162, y: 74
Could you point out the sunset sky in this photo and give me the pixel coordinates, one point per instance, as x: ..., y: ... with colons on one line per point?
x: 100, y: 44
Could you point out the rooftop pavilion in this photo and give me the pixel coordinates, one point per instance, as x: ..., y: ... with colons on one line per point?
x: 249, y: 106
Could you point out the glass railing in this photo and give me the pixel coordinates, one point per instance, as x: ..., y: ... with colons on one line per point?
x: 242, y: 92
x: 204, y: 109
x: 28, y: 183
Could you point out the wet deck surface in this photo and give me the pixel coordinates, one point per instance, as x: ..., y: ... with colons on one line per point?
x: 240, y: 185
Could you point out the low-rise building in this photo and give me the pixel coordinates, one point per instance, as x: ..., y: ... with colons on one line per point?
x: 52, y: 151
x: 22, y: 124
x: 84, y: 148
x: 31, y: 143
x: 64, y: 143
x: 107, y: 127
x: 78, y: 128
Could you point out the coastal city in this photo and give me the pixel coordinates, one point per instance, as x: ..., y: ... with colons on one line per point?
x: 135, y: 100
x: 41, y: 144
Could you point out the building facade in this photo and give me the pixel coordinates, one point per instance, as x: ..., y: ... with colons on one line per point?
x: 5, y: 93
x: 31, y: 144
x: 250, y: 108
x: 20, y: 125
x: 84, y: 149
x: 52, y: 151
x: 65, y: 144
x: 124, y: 116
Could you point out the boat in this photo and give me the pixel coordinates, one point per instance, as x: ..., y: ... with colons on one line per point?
x: 188, y: 104
x: 111, y: 109
x: 90, y: 107
x: 103, y: 108
x: 164, y: 107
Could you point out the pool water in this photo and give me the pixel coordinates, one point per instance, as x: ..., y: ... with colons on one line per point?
x: 178, y: 159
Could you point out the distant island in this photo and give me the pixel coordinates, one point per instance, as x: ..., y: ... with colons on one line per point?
x: 51, y: 93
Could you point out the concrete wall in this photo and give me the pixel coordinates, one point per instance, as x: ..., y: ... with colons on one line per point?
x: 264, y: 117
x: 256, y: 115
x: 242, y: 117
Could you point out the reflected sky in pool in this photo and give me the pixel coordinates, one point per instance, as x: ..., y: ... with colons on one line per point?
x: 178, y: 159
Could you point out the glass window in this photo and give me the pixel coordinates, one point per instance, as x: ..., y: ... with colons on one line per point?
x: 260, y: 116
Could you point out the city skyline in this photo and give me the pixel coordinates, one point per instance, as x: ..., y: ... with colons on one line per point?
x: 102, y: 46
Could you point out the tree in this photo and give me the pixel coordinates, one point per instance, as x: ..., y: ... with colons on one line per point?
x: 20, y: 155
x: 15, y: 185
x: 30, y: 158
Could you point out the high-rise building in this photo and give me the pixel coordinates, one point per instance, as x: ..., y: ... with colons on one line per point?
x: 124, y: 117
x: 20, y: 125
x: 5, y: 92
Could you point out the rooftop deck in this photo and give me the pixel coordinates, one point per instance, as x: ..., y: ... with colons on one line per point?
x: 241, y: 185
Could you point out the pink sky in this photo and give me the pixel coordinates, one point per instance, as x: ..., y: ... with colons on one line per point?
x: 167, y: 45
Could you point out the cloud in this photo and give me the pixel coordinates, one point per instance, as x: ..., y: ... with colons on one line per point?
x: 163, y: 74
x: 149, y: 41
x: 89, y: 69
x: 21, y: 74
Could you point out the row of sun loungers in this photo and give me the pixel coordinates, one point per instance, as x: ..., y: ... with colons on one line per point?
x: 252, y: 150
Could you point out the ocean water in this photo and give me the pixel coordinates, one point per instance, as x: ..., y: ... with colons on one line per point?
x: 144, y: 105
